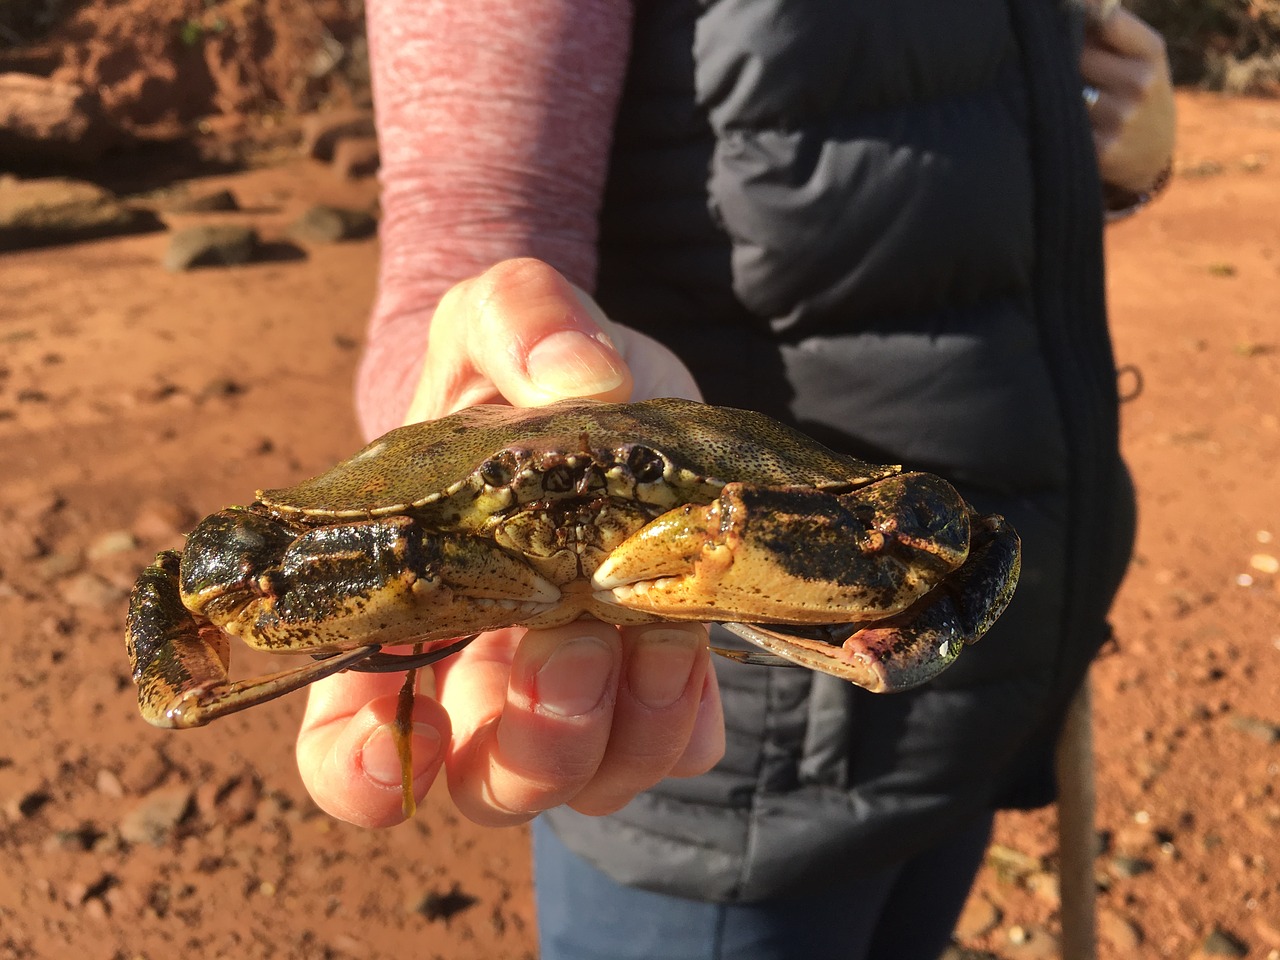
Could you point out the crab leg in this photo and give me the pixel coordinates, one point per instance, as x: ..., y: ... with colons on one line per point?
x: 180, y: 662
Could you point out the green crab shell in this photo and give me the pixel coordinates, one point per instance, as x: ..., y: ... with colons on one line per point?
x: 704, y: 446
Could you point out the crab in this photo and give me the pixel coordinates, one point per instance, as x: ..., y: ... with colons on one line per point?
x: 497, y: 516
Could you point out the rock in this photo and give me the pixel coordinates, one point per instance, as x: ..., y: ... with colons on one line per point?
x: 207, y: 245
x: 109, y: 784
x: 978, y: 918
x: 143, y: 771
x: 117, y: 541
x: 321, y: 132
x: 1045, y: 886
x: 155, y: 817
x: 91, y: 591
x: 44, y: 121
x: 231, y: 803
x: 49, y: 211
x: 1034, y: 943
x: 325, y: 224
x: 356, y: 158
x: 1119, y: 931
x: 1263, y: 730
x: 217, y: 201
x: 1220, y: 943
x: 1126, y: 867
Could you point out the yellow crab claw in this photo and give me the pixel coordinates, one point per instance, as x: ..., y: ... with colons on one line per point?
x: 793, y: 554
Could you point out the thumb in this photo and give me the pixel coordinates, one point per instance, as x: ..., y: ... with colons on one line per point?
x: 519, y: 333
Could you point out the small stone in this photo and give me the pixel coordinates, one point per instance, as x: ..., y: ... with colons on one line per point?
x: 1265, y: 563
x: 325, y: 224
x: 1119, y: 931
x: 1012, y: 865
x: 1126, y: 867
x: 217, y: 201
x: 117, y: 541
x: 1034, y: 943
x: 231, y: 803
x: 143, y: 771
x: 27, y: 805
x: 91, y: 592
x: 1045, y: 886
x: 210, y: 245
x: 47, y: 211
x: 978, y: 918
x: 321, y: 132
x: 1256, y: 727
x: 356, y: 158
x: 1220, y: 943
x: 155, y: 817
x: 109, y: 784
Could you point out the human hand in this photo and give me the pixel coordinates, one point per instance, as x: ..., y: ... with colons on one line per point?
x: 587, y: 714
x: 1133, y: 118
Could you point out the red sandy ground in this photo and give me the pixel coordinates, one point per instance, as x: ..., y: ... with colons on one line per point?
x: 134, y: 400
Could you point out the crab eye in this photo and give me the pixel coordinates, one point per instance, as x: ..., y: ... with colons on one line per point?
x: 645, y: 464
x: 498, y: 471
x: 558, y: 479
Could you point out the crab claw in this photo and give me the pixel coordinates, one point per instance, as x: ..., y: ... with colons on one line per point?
x: 914, y: 646
x: 793, y: 554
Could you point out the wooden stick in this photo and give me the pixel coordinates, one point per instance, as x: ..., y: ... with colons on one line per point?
x: 1076, y: 836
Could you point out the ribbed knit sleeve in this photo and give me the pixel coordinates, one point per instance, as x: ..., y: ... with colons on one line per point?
x: 494, y: 122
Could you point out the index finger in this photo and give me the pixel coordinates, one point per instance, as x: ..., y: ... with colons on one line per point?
x: 1128, y: 35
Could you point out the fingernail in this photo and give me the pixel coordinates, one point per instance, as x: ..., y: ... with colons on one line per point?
x: 381, y: 760
x: 574, y: 678
x: 659, y: 667
x: 569, y: 363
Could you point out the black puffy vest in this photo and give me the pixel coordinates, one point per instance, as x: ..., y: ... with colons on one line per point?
x: 880, y: 222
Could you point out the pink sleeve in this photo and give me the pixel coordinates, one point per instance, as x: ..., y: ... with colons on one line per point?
x: 495, y: 120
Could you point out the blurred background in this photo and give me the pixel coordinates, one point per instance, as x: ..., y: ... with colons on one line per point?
x: 188, y: 251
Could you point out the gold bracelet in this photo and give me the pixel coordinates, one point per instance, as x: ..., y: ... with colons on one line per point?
x: 1119, y: 203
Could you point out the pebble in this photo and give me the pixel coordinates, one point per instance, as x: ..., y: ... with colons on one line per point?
x: 232, y: 802
x: 117, y: 541
x: 1119, y: 931
x: 325, y: 224
x: 321, y: 132
x: 109, y: 785
x: 978, y: 918
x: 1220, y: 943
x: 1256, y: 727
x: 91, y: 591
x: 1265, y: 563
x: 1045, y: 886
x: 1123, y: 866
x: 143, y: 772
x: 356, y: 157
x: 1012, y: 865
x: 1035, y: 943
x: 209, y: 245
x: 217, y: 201
x: 154, y: 817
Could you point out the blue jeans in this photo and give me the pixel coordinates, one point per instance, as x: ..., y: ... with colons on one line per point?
x: 906, y: 912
